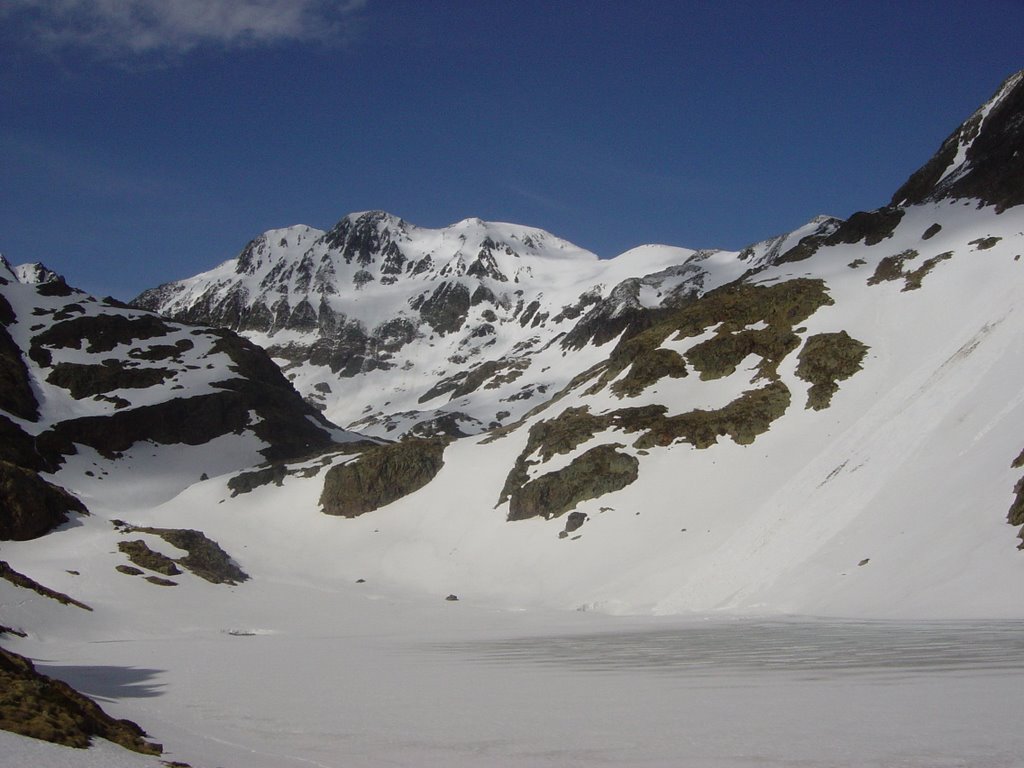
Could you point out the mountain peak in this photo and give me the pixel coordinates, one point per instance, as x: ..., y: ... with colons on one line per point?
x: 983, y: 159
x: 36, y: 273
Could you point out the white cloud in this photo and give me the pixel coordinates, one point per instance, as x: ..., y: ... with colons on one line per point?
x: 116, y: 28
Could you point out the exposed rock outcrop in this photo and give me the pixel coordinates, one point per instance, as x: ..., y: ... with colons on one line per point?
x: 35, y: 705
x: 381, y: 476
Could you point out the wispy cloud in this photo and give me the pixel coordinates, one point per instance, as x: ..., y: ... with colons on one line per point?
x: 126, y: 28
x: 545, y: 201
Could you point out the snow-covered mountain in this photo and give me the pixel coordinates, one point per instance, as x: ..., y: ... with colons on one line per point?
x: 827, y: 423
x: 84, y: 376
x: 808, y: 396
x: 395, y: 329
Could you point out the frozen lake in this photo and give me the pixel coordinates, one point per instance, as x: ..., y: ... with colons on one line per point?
x: 775, y: 693
x: 291, y: 677
x: 798, y: 649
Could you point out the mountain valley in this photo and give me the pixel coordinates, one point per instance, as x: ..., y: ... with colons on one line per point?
x: 309, y: 447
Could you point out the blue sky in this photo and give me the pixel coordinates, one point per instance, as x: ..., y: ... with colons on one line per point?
x: 146, y: 140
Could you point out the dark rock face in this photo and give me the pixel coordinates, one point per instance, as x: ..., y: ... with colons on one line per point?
x: 573, y: 521
x: 994, y: 157
x: 446, y: 308
x: 362, y: 237
x: 870, y: 226
x: 38, y: 273
x: 32, y: 704
x: 99, y: 333
x: 287, y: 423
x: 194, y: 421
x: 490, y: 374
x: 346, y: 351
x: 156, y: 352
x: 57, y: 287
x: 291, y: 426
x: 620, y: 311
x: 485, y: 265
x: 594, y: 473
x: 248, y: 259
x: 391, y: 335
x: 16, y: 395
x: 991, y: 174
x: 22, y: 581
x: 19, y: 447
x: 86, y: 380
x: 346, y: 347
x: 381, y: 476
x: 30, y: 506
x: 448, y: 425
x: 245, y: 482
x: 232, y: 310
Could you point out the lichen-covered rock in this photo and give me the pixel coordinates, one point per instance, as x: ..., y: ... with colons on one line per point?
x: 32, y: 704
x: 733, y: 308
x: 245, y: 482
x: 205, y: 557
x: 743, y: 419
x: 144, y: 557
x: 381, y: 476
x: 746, y: 417
x: 720, y: 355
x: 649, y: 367
x: 594, y: 473
x: 825, y: 360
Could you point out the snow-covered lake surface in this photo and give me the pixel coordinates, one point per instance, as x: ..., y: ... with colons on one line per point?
x: 801, y: 648
x: 342, y: 680
x: 772, y: 693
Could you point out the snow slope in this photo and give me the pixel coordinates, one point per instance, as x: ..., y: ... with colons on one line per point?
x: 369, y: 318
x: 909, y: 468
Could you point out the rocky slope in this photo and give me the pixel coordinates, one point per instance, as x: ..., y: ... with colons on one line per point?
x: 437, y: 330
x: 83, y: 373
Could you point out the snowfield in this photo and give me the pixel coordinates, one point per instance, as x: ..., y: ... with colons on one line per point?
x: 275, y: 674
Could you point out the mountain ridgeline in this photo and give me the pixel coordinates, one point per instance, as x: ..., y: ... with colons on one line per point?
x: 401, y: 331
